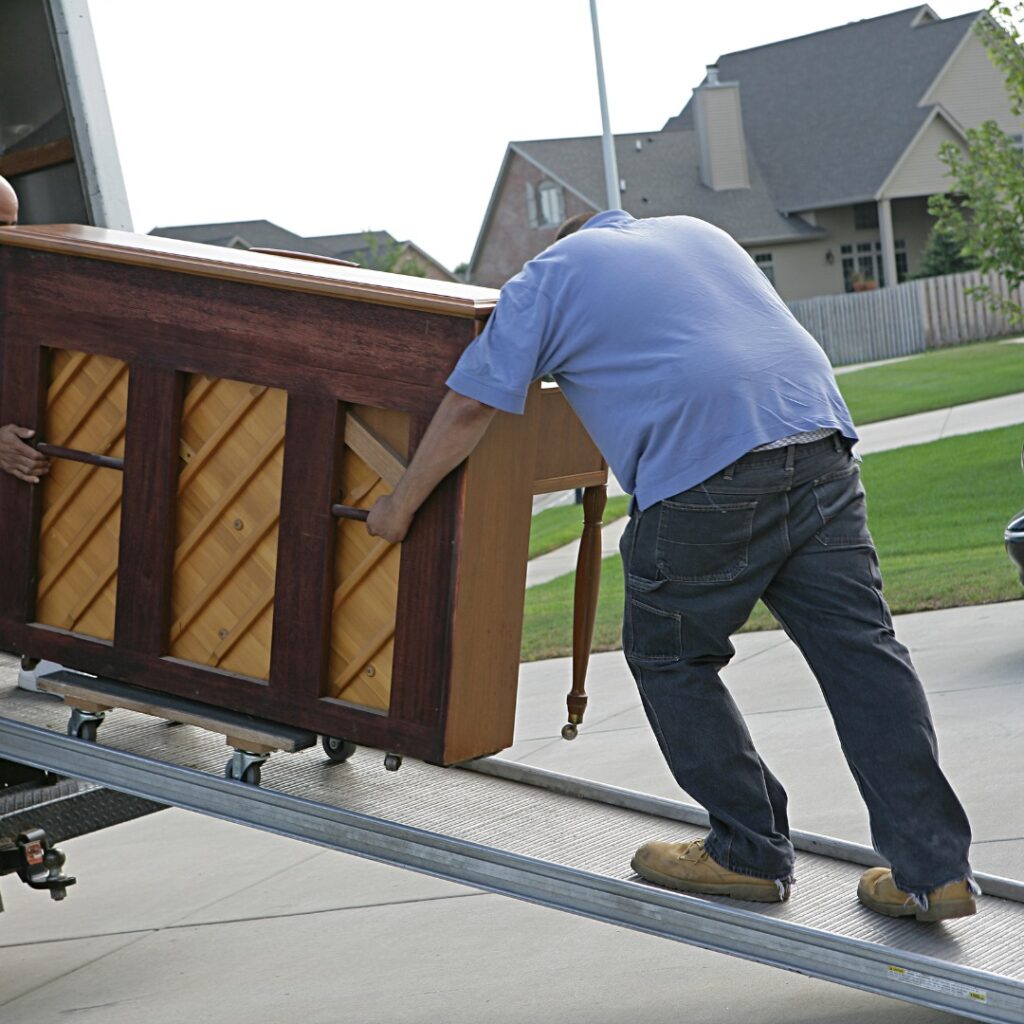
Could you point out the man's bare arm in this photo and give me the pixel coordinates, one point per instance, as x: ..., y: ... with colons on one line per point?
x: 454, y: 432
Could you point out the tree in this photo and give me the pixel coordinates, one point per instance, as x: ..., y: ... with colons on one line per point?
x: 389, y: 256
x: 944, y: 253
x: 985, y: 210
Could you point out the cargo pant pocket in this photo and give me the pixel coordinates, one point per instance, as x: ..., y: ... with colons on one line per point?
x: 652, y: 635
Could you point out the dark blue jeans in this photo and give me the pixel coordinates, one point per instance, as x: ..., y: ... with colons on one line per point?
x: 788, y: 526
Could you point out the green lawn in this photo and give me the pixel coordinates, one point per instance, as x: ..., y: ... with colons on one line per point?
x: 934, y: 380
x: 937, y: 512
x: 557, y: 526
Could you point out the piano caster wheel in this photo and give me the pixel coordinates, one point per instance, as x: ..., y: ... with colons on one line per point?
x: 337, y: 749
x: 245, y: 767
x: 569, y: 731
x: 27, y: 663
x: 84, y: 725
x: 392, y: 762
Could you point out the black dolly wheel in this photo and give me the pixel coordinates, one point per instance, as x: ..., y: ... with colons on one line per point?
x: 392, y: 762
x: 337, y: 749
x: 252, y: 775
x: 86, y: 730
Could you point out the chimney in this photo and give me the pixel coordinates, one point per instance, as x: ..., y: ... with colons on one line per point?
x: 719, y: 121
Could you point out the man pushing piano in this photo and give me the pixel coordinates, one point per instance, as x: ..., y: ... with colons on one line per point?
x: 720, y: 414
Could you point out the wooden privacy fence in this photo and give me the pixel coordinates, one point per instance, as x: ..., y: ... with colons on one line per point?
x: 911, y: 317
x: 951, y: 316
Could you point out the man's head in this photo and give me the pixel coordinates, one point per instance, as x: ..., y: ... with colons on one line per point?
x: 8, y: 203
x: 572, y: 224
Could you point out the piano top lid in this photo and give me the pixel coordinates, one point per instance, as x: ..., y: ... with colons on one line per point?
x: 302, y: 275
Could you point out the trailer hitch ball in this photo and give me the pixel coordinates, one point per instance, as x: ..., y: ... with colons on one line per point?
x: 42, y: 864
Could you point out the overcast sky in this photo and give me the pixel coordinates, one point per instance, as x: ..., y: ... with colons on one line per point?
x: 329, y: 116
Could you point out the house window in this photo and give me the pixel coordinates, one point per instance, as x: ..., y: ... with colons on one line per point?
x: 546, y: 204
x: 865, y: 216
x: 766, y: 265
x: 862, y: 264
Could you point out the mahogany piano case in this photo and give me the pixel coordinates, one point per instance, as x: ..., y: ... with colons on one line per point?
x: 212, y: 414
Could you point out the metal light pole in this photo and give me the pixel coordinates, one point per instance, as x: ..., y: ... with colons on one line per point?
x: 611, y: 171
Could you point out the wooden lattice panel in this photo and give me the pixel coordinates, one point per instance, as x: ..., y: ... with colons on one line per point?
x: 86, y: 408
x: 229, y: 496
x: 365, y: 567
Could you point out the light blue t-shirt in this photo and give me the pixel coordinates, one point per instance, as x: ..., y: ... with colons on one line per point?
x: 672, y: 346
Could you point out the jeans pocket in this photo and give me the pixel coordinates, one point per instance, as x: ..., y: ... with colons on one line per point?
x: 653, y: 635
x: 842, y: 508
x: 644, y: 586
x: 704, y: 543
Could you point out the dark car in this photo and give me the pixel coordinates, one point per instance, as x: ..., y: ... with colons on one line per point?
x: 1014, y: 536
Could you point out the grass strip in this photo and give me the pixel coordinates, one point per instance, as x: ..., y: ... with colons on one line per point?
x: 937, y: 513
x: 557, y: 526
x: 934, y: 380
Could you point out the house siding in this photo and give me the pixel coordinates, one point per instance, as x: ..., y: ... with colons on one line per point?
x: 510, y: 241
x: 973, y: 90
x: 921, y: 172
x: 802, y: 270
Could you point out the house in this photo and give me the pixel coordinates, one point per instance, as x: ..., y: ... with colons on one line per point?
x: 371, y: 248
x: 375, y: 249
x: 818, y: 154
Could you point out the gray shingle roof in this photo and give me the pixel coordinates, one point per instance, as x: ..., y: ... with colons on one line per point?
x: 346, y: 247
x: 356, y: 246
x: 663, y: 178
x: 257, y: 234
x: 827, y: 115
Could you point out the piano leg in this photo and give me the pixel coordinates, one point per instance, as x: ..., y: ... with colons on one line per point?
x: 588, y: 580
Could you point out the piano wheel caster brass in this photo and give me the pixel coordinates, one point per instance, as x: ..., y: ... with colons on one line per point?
x: 569, y: 731
x: 392, y: 762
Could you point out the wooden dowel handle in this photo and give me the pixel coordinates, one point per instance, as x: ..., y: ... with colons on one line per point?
x: 55, y: 451
x: 588, y: 582
x: 350, y: 512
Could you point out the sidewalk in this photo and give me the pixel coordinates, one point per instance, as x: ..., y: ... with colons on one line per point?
x: 180, y: 917
x: 875, y: 437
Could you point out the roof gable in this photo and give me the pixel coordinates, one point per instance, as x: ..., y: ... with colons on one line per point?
x: 919, y: 171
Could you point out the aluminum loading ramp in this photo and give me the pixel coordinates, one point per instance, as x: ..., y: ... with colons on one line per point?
x: 553, y: 841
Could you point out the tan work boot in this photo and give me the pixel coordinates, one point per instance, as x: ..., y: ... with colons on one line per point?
x: 689, y: 868
x: 878, y: 892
